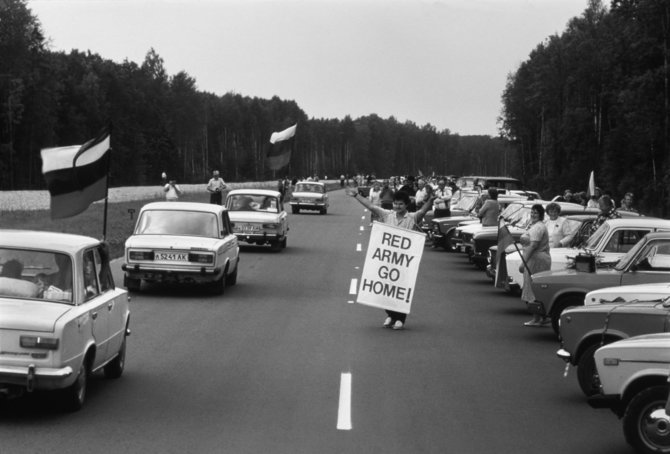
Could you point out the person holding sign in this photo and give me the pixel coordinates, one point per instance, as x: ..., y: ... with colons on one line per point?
x: 399, y: 216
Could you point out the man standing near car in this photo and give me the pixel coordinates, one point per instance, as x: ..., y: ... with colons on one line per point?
x: 215, y: 188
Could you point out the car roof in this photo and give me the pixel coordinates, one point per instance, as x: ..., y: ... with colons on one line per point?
x: 639, y: 222
x: 184, y: 206
x: 657, y: 235
x: 255, y: 192
x: 320, y: 183
x: 51, y: 241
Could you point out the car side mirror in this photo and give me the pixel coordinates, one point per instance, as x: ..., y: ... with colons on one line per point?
x: 232, y: 224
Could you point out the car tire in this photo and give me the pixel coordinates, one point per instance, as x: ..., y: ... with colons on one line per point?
x: 324, y: 211
x: 587, y: 373
x: 646, y: 426
x: 218, y: 287
x: 133, y: 285
x: 232, y: 277
x: 283, y: 243
x: 295, y: 210
x: 275, y: 246
x: 446, y: 242
x: 74, y: 395
x: 114, y: 368
x: 562, y: 304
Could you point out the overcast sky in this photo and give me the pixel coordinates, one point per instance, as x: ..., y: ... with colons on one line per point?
x: 443, y: 62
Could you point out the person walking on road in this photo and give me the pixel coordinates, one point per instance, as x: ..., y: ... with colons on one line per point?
x: 399, y: 216
x: 215, y: 187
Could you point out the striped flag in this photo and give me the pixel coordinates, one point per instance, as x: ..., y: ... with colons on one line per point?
x: 279, y: 153
x: 76, y: 176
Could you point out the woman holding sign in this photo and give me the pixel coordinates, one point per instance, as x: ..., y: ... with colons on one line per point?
x: 399, y: 216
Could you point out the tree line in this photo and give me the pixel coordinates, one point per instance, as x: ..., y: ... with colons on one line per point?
x: 594, y: 97
x: 163, y: 123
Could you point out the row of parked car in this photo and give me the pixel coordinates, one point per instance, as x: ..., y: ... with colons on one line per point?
x: 608, y: 297
x: 62, y: 316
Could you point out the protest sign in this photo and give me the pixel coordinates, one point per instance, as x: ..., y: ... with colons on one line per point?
x: 391, y: 265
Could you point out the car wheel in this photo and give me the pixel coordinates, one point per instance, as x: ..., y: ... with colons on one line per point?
x: 283, y: 243
x: 114, y: 369
x: 74, y: 396
x: 232, y: 277
x: 295, y: 210
x: 275, y: 246
x: 646, y: 425
x: 446, y: 242
x: 323, y: 211
x: 133, y: 285
x: 587, y: 373
x: 562, y: 304
x: 218, y: 287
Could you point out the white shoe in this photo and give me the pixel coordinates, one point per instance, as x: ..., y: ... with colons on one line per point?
x: 387, y: 322
x: 398, y: 325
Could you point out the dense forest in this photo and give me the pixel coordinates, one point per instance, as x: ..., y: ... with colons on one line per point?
x: 594, y: 97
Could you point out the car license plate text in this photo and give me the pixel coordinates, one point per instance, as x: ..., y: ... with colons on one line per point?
x: 171, y: 256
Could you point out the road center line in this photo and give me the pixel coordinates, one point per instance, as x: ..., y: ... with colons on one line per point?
x: 353, y: 287
x: 358, y: 247
x: 344, y: 409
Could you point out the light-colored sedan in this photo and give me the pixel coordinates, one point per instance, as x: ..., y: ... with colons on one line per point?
x: 182, y: 242
x: 258, y: 217
x: 309, y: 195
x: 61, y: 316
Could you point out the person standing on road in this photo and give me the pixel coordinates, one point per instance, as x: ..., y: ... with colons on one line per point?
x: 215, y: 187
x: 490, y: 209
x: 398, y: 217
x: 535, y: 257
x: 557, y: 226
x: 442, y: 200
x: 172, y: 191
x: 375, y: 199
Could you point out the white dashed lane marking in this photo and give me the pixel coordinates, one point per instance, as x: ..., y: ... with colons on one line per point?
x: 344, y: 409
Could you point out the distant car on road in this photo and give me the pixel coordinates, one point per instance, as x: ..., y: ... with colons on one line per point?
x: 182, y: 242
x: 309, y: 195
x: 258, y: 217
x: 61, y: 316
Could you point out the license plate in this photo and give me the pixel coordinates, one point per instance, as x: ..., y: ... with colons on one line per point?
x: 462, y: 247
x: 248, y: 228
x: 171, y: 256
x: 306, y: 201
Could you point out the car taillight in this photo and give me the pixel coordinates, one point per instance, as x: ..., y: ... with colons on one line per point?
x: 270, y: 226
x: 200, y: 258
x: 48, y: 343
x: 140, y: 255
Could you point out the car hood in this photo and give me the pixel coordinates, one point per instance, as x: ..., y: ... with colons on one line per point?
x: 30, y: 315
x: 648, y: 347
x: 570, y: 275
x: 253, y: 216
x: 454, y: 219
x: 640, y: 292
x: 170, y: 242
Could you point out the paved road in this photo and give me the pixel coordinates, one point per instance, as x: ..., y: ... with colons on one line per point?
x: 259, y: 370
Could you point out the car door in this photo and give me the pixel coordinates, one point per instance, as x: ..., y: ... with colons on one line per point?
x: 116, y: 303
x: 229, y: 248
x: 95, y: 302
x: 651, y: 265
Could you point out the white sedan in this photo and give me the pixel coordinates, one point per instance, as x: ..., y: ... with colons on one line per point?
x: 258, y: 217
x: 61, y: 316
x: 182, y: 242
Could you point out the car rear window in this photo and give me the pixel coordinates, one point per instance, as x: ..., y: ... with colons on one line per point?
x: 35, y: 274
x: 171, y: 222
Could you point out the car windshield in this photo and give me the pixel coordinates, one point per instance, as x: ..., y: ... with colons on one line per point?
x: 171, y: 222
x: 35, y: 274
x: 307, y: 187
x: 467, y: 202
x: 595, y: 238
x: 253, y: 202
x: 622, y: 264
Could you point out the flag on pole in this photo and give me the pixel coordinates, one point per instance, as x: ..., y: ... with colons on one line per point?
x: 76, y: 176
x: 592, y: 185
x: 505, y: 239
x: 279, y: 153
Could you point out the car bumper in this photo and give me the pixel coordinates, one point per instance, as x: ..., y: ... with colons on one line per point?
x: 490, y: 272
x: 308, y: 205
x: 259, y: 237
x: 605, y: 401
x: 201, y: 275
x: 32, y: 377
x: 537, y: 307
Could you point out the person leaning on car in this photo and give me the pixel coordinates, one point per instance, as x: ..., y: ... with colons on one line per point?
x: 398, y: 217
x: 215, y: 188
x: 490, y: 210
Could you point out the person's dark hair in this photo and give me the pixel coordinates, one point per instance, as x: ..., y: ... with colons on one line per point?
x: 402, y: 196
x: 606, y: 201
x: 12, y: 268
x: 553, y: 206
x: 493, y: 193
x: 540, y: 210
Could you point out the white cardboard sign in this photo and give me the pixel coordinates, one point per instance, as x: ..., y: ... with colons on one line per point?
x: 391, y: 266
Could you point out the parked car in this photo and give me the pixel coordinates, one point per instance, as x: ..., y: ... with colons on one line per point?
x: 584, y: 329
x: 61, y: 316
x: 442, y: 228
x: 634, y: 385
x: 309, y: 195
x: 607, y: 245
x: 481, y: 241
x: 182, y: 242
x: 647, y: 262
x: 581, y: 225
x: 258, y: 217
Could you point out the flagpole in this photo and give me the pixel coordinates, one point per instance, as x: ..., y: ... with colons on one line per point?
x: 104, y: 217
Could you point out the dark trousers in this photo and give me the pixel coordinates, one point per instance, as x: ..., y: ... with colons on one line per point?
x: 215, y: 198
x: 396, y: 316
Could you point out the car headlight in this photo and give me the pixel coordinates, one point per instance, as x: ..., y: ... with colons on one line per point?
x: 48, y: 343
